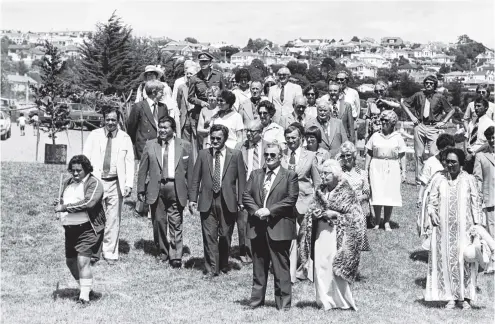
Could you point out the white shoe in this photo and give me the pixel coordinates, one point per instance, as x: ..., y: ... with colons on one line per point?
x: 387, y: 227
x: 376, y: 227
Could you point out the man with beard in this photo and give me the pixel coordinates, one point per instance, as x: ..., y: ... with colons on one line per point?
x: 219, y: 175
x: 340, y: 108
x: 283, y: 93
x: 429, y: 111
x: 110, y: 151
x: 249, y: 108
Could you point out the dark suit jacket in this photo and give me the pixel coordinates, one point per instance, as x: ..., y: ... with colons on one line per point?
x: 150, y: 170
x: 337, y: 136
x: 282, y: 198
x: 233, y: 180
x: 141, y: 126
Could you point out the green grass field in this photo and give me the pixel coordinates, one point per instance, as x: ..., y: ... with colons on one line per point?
x: 36, y: 286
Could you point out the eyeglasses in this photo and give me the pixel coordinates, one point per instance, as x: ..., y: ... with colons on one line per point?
x: 252, y: 130
x: 379, y: 91
x: 340, y: 79
x: 263, y: 113
x: 310, y: 94
x: 272, y: 155
x: 346, y: 156
x: 301, y: 106
x: 220, y: 100
x: 429, y: 82
x: 481, y: 92
x: 214, y: 138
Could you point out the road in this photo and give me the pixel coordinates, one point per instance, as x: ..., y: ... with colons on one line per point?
x: 23, y: 148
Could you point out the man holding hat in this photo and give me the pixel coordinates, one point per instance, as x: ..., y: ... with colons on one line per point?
x: 206, y: 78
x: 426, y: 109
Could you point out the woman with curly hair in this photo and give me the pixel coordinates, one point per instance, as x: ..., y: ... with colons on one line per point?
x: 241, y: 91
x: 376, y: 106
x: 82, y: 215
x: 331, y: 235
x: 386, y: 165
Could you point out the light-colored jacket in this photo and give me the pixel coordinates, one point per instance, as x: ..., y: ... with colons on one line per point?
x: 291, y: 90
x: 94, y: 149
x: 484, y: 172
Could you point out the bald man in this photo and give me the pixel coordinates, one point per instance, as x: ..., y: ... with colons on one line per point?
x: 298, y: 113
x: 283, y: 93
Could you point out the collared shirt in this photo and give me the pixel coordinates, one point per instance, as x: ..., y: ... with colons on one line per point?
x: 171, y: 157
x: 325, y: 125
x: 152, y: 105
x: 113, y: 157
x: 483, y: 123
x: 438, y: 105
x: 269, y: 185
x: 223, y: 152
x: 274, y: 132
x: 72, y: 194
x: 250, y: 152
x: 296, y: 156
x: 470, y: 112
x: 351, y: 96
x: 200, y: 83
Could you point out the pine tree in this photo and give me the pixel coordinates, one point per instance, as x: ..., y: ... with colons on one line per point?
x: 106, y: 60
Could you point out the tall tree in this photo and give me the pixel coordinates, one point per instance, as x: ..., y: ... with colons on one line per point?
x: 355, y: 39
x: 106, y: 58
x: 191, y: 40
x: 5, y: 45
x: 228, y: 51
x: 313, y: 74
x: 22, y: 68
x: 250, y: 45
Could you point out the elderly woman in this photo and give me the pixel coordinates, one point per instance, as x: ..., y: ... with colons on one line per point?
x: 358, y: 179
x: 242, y: 91
x: 312, y: 135
x: 83, y: 218
x: 271, y: 130
x: 376, y: 106
x: 331, y: 235
x: 386, y: 165
x: 453, y: 208
x: 227, y: 116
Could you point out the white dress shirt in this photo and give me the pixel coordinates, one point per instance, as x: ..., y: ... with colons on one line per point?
x: 268, y: 185
x: 296, y: 156
x: 250, y: 152
x: 180, y: 81
x: 113, y: 156
x: 351, y: 96
x: 223, y: 151
x: 72, y: 194
x: 171, y: 158
x: 483, y: 123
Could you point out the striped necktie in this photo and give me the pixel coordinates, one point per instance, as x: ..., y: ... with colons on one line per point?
x: 256, y: 158
x: 216, y: 174
x: 266, y: 186
x: 474, y: 135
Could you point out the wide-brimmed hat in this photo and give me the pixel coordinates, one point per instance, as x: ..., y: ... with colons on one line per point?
x: 152, y: 68
x: 477, y: 251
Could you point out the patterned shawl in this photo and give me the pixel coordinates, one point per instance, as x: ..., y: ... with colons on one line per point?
x: 350, y: 229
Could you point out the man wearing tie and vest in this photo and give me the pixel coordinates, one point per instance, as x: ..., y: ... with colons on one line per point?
x: 252, y: 153
x: 167, y: 164
x: 219, y: 175
x: 305, y: 164
x: 426, y: 110
x: 110, y: 151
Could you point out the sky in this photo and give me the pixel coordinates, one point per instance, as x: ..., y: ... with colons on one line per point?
x: 279, y: 21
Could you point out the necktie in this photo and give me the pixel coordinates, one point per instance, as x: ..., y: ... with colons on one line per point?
x: 256, y: 158
x: 155, y: 113
x: 165, y: 162
x: 474, y: 135
x: 300, y: 119
x: 335, y: 110
x: 292, y: 161
x: 108, y: 155
x: 266, y: 186
x: 426, y: 111
x: 216, y: 175
x: 282, y: 93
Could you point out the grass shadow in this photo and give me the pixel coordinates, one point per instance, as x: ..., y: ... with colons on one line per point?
x: 247, y: 301
x: 195, y: 263
x: 124, y: 247
x: 66, y: 293
x: 419, y: 255
x: 307, y: 304
x: 420, y: 282
x: 147, y: 246
x: 186, y: 250
x: 431, y: 304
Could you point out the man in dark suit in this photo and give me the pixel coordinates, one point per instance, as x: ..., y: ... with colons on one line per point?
x: 252, y: 153
x: 144, y: 116
x: 167, y: 163
x: 219, y: 174
x: 333, y: 132
x: 270, y: 197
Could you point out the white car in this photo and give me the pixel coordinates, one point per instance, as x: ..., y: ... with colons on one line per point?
x: 5, y: 126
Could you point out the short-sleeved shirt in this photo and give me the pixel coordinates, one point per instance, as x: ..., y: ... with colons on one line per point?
x: 22, y: 121
x: 233, y: 121
x: 438, y: 106
x: 432, y: 166
x: 386, y: 146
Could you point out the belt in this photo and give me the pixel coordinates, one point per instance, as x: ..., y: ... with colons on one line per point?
x: 429, y: 122
x: 109, y: 179
x: 78, y: 225
x: 166, y: 180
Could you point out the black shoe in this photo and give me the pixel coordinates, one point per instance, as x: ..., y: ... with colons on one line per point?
x: 254, y: 305
x: 93, y: 261
x: 82, y: 302
x: 210, y: 276
x: 225, y: 270
x: 176, y: 264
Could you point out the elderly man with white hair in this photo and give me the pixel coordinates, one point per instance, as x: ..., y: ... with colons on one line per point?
x: 298, y: 115
x: 283, y: 93
x: 333, y: 132
x: 182, y: 80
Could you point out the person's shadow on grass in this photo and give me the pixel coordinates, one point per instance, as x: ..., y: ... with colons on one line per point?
x: 419, y: 255
x: 124, y: 247
x: 147, y: 246
x: 247, y: 301
x: 199, y: 264
x: 72, y: 293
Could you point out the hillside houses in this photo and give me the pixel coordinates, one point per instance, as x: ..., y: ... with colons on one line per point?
x: 392, y: 42
x: 243, y: 58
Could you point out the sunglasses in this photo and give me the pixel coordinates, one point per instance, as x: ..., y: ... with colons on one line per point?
x: 252, y: 130
x: 301, y: 106
x: 263, y: 113
x: 310, y: 94
x: 430, y: 83
x: 214, y: 138
x: 481, y: 92
x: 340, y: 79
x: 272, y: 155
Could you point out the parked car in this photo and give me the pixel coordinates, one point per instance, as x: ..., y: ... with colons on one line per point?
x: 5, y: 126
x: 90, y: 118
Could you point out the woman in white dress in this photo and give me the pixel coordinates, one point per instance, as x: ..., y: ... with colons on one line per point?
x: 331, y: 235
x: 386, y: 165
x: 242, y: 91
x: 227, y: 116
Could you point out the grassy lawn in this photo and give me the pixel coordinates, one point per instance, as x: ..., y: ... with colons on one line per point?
x: 36, y: 286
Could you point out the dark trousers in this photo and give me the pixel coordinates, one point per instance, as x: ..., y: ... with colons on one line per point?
x: 217, y: 226
x: 167, y: 212
x: 265, y: 250
x: 244, y: 243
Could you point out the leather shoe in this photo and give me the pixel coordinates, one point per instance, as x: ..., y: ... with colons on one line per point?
x: 176, y: 264
x: 254, y: 305
x: 210, y: 276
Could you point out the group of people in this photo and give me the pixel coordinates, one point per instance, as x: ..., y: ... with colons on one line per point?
x: 279, y: 162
